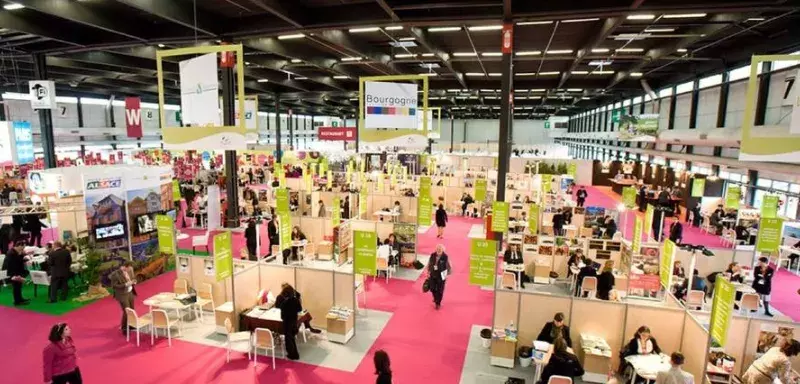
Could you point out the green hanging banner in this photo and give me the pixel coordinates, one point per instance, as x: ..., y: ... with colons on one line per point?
x: 648, y: 220
x: 365, y: 255
x: 176, y: 190
x: 424, y: 210
x: 572, y: 170
x: 480, y: 190
x: 698, y: 187
x: 336, y: 212
x: 223, y: 255
x: 362, y: 201
x: 629, y: 197
x: 482, y: 262
x: 721, y: 310
x: 667, y: 258
x: 732, y: 197
x: 533, y: 219
x: 770, y: 232
x: 500, y: 216
x: 637, y: 235
x: 547, y: 181
x: 166, y: 234
x: 769, y: 207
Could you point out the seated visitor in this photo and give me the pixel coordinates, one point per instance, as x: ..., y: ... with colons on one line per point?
x: 561, y: 363
x: 555, y: 329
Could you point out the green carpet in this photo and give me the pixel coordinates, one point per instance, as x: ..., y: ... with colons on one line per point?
x: 39, y: 304
x: 185, y: 252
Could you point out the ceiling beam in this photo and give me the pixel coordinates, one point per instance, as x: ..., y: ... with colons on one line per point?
x: 287, y: 11
x: 119, y: 60
x: 347, y: 46
x: 424, y: 40
x: 175, y: 12
x: 388, y: 9
x: 608, y: 27
x: 79, y: 13
x: 508, y: 10
x: 273, y: 45
x: 17, y: 21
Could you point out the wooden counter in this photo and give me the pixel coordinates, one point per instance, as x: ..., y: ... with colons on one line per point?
x: 503, y: 353
x: 340, y: 330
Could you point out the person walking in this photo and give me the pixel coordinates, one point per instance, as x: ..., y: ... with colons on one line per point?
x: 290, y: 306
x: 272, y: 232
x: 14, y: 264
x: 382, y: 367
x: 34, y: 225
x: 59, y: 361
x: 676, y: 232
x: 441, y: 221
x: 251, y: 238
x: 122, y: 281
x: 438, y: 270
x: 581, y: 196
x: 762, y: 282
x: 60, y: 261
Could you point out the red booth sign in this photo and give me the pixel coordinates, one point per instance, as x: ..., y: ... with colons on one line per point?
x: 336, y: 133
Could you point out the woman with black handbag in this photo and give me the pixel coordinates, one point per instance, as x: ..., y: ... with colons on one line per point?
x: 438, y: 270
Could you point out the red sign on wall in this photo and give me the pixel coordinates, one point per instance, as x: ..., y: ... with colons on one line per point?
x: 508, y: 38
x: 336, y: 133
x: 133, y: 116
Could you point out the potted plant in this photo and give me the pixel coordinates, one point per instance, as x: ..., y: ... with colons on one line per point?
x: 486, y: 337
x: 93, y: 260
x: 525, y: 354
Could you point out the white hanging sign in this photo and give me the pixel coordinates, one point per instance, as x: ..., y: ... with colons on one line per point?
x: 43, y: 94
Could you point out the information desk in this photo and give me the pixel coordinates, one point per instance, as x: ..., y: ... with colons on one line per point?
x: 648, y: 366
x: 269, y: 319
x: 618, y: 185
x: 595, y: 356
x: 340, y: 330
x: 503, y: 352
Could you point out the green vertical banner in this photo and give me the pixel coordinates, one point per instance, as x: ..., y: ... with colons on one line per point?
x: 176, y: 190
x: 424, y: 186
x: 336, y: 212
x: 282, y: 200
x: 279, y: 174
x: 698, y: 187
x: 362, y: 202
x: 393, y: 179
x: 667, y: 258
x: 424, y: 210
x: 572, y: 170
x: 770, y: 232
x: 166, y: 234
x: 480, y: 190
x: 365, y: 252
x: 380, y: 183
x: 533, y: 219
x: 637, y: 235
x: 648, y: 220
x: 629, y: 197
x: 769, y: 207
x: 482, y: 262
x: 500, y: 216
x: 307, y: 180
x: 547, y: 181
x: 721, y: 310
x: 329, y: 179
x: 732, y: 196
x: 285, y: 230
x: 223, y: 255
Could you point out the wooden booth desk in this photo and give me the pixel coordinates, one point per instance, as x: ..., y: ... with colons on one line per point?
x: 340, y: 330
x: 503, y: 352
x: 222, y: 312
x: 595, y: 356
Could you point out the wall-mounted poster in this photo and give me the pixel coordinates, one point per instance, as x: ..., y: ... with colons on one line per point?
x: 644, y: 278
x: 639, y: 127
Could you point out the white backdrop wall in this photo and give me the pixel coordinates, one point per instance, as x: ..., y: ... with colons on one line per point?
x: 525, y: 132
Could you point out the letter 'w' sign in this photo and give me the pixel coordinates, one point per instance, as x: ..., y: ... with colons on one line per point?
x: 133, y: 116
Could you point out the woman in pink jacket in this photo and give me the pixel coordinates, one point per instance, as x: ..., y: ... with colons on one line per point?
x: 59, y: 359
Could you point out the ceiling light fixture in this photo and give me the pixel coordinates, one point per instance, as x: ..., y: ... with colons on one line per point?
x: 756, y: 19
x: 629, y: 49
x: 491, y: 54
x: 600, y: 63
x: 292, y: 36
x: 575, y: 90
x: 474, y: 74
x: 444, y: 29
x: 13, y: 6
x: 403, y: 55
x: 262, y: 81
x: 427, y: 55
x: 394, y: 28
x: 301, y: 78
x: 528, y: 53
x: 600, y: 50
x: 464, y: 54
x: 407, y: 38
x: 526, y: 74
x: 341, y: 77
x: 580, y: 72
x: 352, y: 58
x: 641, y: 17
x: 295, y: 61
x: 653, y: 30
x: 682, y: 50
x: 551, y: 73
x: 580, y: 20
x: 544, y: 22
x: 365, y: 29
x: 479, y: 28
x: 559, y: 52
x: 684, y: 15
x: 430, y: 74
x: 161, y: 45
x: 636, y: 74
x: 603, y: 73
x: 495, y: 74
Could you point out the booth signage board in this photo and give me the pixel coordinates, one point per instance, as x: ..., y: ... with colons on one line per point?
x: 336, y: 133
x: 365, y: 253
x: 533, y: 219
x: 572, y: 170
x: 43, y: 94
x: 769, y: 207
x: 199, y: 94
x: 329, y: 179
x: 133, y: 116
x: 547, y: 181
x: 425, y: 186
x: 285, y: 230
x: 176, y: 190
x: 648, y: 219
x: 732, y: 197
x: 667, y: 257
x: 698, y: 187
x: 223, y: 255
x: 23, y: 142
x: 500, y: 216
x: 637, y: 235
x: 721, y: 310
x: 424, y: 210
x: 629, y: 197
x: 770, y: 232
x: 482, y: 262
x: 362, y: 202
x: 390, y: 105
x: 638, y: 126
x: 480, y: 190
x: 307, y: 181
x: 166, y: 234
x: 336, y: 212
x: 282, y: 200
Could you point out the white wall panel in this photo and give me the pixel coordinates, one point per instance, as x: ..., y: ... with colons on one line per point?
x: 682, y: 110
x: 663, y: 117
x: 707, y: 105
x: 777, y: 113
x: 736, y: 101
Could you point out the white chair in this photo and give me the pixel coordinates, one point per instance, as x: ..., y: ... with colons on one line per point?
x: 556, y: 379
x: 382, y: 262
x: 695, y: 299
x: 509, y: 280
x: 162, y: 321
x: 234, y: 337
x: 39, y: 278
x: 749, y: 302
x: 3, y: 273
x: 205, y: 296
x: 137, y: 323
x: 200, y: 241
x: 264, y: 339
x: 180, y: 287
x: 589, y: 285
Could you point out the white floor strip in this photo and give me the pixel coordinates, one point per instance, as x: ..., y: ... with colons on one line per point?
x: 423, y: 228
x: 477, y: 232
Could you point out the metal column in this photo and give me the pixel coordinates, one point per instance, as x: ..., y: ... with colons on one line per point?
x: 45, y: 115
x: 231, y: 174
x: 291, y: 130
x: 278, y: 153
x: 452, y: 132
x: 506, y: 119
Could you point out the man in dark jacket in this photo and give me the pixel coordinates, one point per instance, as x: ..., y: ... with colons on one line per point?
x: 555, y: 329
x: 587, y: 270
x: 581, y: 195
x: 762, y: 282
x: 14, y: 265
x: 60, y: 261
x: 34, y: 225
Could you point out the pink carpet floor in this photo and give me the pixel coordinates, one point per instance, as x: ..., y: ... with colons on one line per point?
x: 425, y: 345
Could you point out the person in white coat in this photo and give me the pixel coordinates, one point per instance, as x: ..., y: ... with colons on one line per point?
x: 675, y: 375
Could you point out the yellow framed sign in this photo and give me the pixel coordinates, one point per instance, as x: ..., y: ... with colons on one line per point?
x: 194, y: 76
x: 768, y: 143
x: 388, y: 108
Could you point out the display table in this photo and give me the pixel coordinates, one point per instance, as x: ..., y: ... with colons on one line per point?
x: 503, y: 352
x: 618, y: 185
x: 341, y: 326
x: 269, y: 319
x: 325, y: 250
x: 222, y: 312
x: 595, y: 356
x: 648, y: 366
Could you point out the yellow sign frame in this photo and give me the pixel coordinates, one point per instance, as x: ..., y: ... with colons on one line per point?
x: 376, y: 135
x: 763, y: 145
x: 182, y: 135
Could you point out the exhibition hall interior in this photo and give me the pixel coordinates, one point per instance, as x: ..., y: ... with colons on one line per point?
x: 400, y: 191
